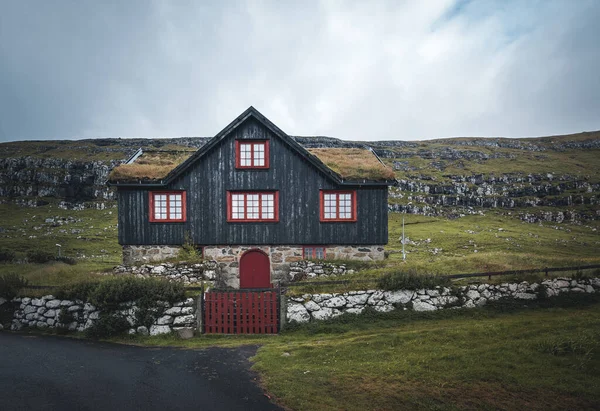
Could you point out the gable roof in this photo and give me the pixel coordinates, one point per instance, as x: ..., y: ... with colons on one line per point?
x: 120, y: 177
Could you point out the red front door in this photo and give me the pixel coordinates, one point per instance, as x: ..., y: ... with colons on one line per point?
x: 255, y: 270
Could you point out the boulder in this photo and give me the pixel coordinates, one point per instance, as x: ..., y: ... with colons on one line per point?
x: 472, y: 294
x: 185, y: 333
x: 53, y: 304
x: 38, y: 302
x: 50, y: 313
x: 187, y: 310
x: 142, y: 330
x: 398, y: 297
x: 423, y: 306
x: 184, y: 319
x: 165, y: 319
x: 297, y: 312
x: 356, y: 310
x: 160, y: 329
x: 324, y: 313
x: 174, y: 310
x: 357, y: 299
x: 334, y: 302
x: 310, y: 305
x: 29, y: 309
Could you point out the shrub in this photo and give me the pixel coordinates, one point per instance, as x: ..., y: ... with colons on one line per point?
x: 76, y: 291
x: 189, y: 252
x: 39, y: 256
x: 399, y: 280
x: 108, y: 325
x: 108, y: 294
x: 11, y: 284
x: 6, y: 255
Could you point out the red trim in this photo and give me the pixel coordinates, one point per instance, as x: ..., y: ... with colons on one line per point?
x: 253, y: 143
x: 337, y: 220
x: 253, y: 220
x: 168, y: 220
x: 314, y: 251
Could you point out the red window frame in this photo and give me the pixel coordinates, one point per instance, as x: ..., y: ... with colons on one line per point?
x: 238, y: 158
x: 153, y: 219
x: 313, y: 255
x: 337, y: 219
x: 275, y: 218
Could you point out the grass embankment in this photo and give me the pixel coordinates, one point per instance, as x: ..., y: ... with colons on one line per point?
x: 498, y: 357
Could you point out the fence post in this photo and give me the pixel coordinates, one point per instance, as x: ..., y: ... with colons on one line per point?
x: 200, y: 310
x: 282, y: 307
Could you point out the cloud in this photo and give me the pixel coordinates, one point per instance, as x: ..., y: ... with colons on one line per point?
x: 355, y: 70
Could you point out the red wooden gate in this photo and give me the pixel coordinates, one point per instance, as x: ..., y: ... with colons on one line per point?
x: 241, y: 312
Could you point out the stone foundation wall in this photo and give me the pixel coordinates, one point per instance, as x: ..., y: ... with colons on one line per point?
x: 361, y: 253
x: 45, y: 312
x: 178, y: 272
x: 148, y: 253
x: 314, y: 307
x: 227, y: 259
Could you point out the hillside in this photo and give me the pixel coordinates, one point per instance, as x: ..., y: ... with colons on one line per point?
x: 546, y: 178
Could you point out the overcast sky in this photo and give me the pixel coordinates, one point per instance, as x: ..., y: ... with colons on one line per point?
x: 364, y: 70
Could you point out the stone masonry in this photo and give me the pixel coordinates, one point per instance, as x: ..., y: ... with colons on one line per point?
x: 148, y: 253
x: 315, y: 307
x: 227, y: 259
x: 45, y: 312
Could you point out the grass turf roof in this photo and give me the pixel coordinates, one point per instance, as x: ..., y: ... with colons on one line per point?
x: 353, y: 163
x: 150, y: 166
x: 349, y: 163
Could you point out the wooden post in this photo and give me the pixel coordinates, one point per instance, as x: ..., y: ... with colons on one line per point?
x: 282, y: 308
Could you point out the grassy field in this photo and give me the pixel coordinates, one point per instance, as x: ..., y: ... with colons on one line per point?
x: 88, y: 235
x: 500, y: 357
x: 437, y: 246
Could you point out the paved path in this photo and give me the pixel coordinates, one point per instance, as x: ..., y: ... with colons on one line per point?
x: 53, y: 373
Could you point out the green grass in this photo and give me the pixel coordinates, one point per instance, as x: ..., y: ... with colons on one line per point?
x: 499, y: 357
x: 501, y: 243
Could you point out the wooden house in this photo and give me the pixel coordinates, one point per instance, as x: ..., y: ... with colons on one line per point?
x: 253, y: 200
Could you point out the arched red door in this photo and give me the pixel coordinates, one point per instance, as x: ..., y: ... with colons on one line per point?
x: 255, y: 270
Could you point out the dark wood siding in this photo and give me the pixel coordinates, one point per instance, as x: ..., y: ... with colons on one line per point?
x: 297, y: 181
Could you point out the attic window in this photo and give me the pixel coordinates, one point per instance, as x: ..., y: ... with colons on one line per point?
x: 338, y: 205
x: 167, y: 206
x: 252, y: 154
x: 257, y: 206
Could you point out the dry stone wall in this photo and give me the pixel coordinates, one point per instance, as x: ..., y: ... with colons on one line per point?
x: 314, y: 307
x: 77, y: 315
x: 178, y: 272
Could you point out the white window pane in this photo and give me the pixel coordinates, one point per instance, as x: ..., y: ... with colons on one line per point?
x: 308, y: 252
x: 320, y: 253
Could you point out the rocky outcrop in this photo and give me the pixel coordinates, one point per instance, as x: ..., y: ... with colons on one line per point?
x: 54, y: 177
x: 314, y: 307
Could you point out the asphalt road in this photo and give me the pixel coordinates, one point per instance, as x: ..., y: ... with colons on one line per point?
x: 53, y: 373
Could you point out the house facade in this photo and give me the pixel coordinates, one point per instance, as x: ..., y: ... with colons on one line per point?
x: 254, y: 200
